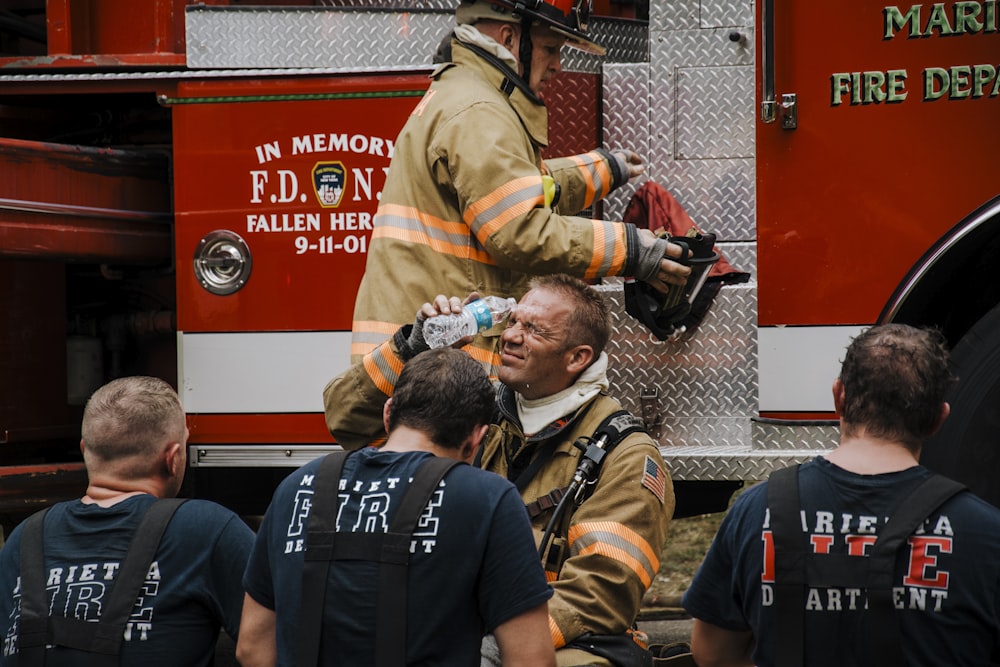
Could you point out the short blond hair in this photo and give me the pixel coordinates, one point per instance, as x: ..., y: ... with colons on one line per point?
x: 131, y: 418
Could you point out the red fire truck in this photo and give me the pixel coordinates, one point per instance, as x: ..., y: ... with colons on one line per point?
x: 186, y: 190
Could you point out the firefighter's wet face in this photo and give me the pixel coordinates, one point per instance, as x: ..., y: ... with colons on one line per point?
x: 546, y: 58
x: 534, y: 356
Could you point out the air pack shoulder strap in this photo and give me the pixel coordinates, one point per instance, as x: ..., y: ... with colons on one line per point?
x: 609, y: 433
x: 390, y: 549
x: 102, y: 640
x: 796, y: 567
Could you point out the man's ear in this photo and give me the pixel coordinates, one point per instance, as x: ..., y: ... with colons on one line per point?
x: 945, y: 411
x: 174, y: 459
x: 838, y: 397
x: 468, y: 449
x: 578, y: 358
x: 385, y: 414
x: 509, y: 37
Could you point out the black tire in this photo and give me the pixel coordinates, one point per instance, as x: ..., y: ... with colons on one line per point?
x: 967, y: 448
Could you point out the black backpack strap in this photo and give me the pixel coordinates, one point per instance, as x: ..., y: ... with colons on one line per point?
x: 319, y: 551
x: 789, y: 566
x: 104, y: 638
x: 886, y: 645
x: 390, y: 549
x: 391, y: 607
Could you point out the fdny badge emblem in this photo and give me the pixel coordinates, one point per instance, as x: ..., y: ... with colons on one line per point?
x: 329, y: 181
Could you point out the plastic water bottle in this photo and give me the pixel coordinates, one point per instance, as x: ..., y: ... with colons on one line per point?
x: 477, y: 316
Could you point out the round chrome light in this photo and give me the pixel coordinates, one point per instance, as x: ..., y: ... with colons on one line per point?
x: 222, y: 262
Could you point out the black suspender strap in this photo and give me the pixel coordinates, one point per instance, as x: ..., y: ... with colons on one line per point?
x: 789, y: 566
x: 319, y: 552
x: 796, y: 568
x: 390, y: 627
x: 930, y: 495
x: 103, y: 640
x: 391, y: 549
x: 33, y: 626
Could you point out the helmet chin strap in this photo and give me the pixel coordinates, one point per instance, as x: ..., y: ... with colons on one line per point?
x: 524, y: 49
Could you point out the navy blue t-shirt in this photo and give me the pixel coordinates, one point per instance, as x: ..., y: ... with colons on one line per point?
x: 193, y: 586
x: 473, y: 562
x: 946, y: 587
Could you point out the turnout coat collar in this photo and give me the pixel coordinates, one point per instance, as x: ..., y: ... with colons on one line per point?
x: 529, y: 108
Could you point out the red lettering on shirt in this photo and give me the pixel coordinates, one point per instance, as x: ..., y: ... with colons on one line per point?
x: 922, y: 563
x: 821, y: 543
x: 767, y: 576
x: 857, y: 545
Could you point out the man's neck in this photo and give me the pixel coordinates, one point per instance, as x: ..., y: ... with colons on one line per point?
x: 405, y: 439
x: 866, y: 455
x: 107, y: 492
x: 106, y: 497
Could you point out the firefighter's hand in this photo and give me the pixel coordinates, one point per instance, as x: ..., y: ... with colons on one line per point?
x: 631, y: 163
x: 441, y: 305
x: 657, y: 265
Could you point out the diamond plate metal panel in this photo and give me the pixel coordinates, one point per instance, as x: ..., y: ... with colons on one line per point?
x: 573, y: 100
x: 373, y: 35
x: 401, y: 5
x: 719, y: 463
x: 306, y: 37
x: 712, y: 373
x: 719, y: 192
x: 626, y: 41
x: 713, y: 113
x: 675, y: 15
x: 742, y: 256
x: 695, y: 14
x: 626, y: 117
x: 726, y: 13
x: 771, y: 446
x: 785, y: 436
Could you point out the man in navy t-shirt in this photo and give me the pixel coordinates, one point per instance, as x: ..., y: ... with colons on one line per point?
x: 460, y: 584
x: 944, y: 593
x: 134, y: 446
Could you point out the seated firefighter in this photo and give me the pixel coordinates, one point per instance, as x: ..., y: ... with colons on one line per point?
x: 600, y: 538
x: 388, y: 556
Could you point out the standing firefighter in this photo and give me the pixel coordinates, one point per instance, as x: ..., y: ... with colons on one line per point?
x: 469, y: 204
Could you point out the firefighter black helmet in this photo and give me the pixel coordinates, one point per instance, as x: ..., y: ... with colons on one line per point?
x: 568, y: 18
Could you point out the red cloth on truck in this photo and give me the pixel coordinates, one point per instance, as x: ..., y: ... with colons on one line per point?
x: 652, y: 207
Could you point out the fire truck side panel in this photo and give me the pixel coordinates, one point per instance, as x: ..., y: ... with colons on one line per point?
x: 297, y: 180
x: 893, y: 148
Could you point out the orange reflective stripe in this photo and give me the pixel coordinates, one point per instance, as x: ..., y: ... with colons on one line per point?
x: 488, y: 358
x: 442, y: 247
x: 618, y: 542
x: 609, y: 250
x: 383, y: 367
x: 374, y: 327
x: 512, y: 199
x: 596, y: 175
x: 361, y: 349
x: 558, y: 640
x: 366, y: 335
x: 410, y: 225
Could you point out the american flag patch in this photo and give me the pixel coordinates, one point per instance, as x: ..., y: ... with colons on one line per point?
x: 653, y: 478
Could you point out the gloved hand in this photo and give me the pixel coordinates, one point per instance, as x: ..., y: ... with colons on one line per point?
x: 656, y: 265
x: 630, y: 162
